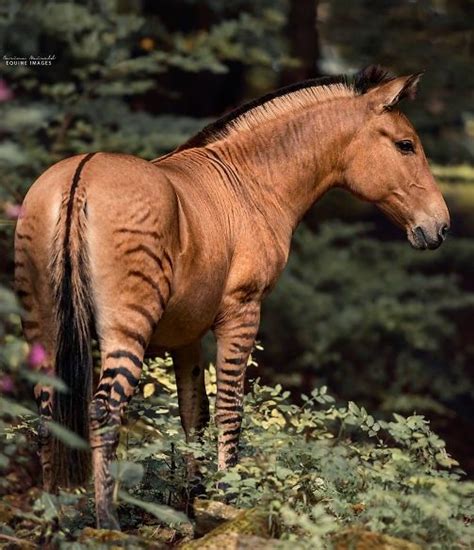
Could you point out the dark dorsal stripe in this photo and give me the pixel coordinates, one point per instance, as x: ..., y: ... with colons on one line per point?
x: 70, y: 204
x: 363, y: 81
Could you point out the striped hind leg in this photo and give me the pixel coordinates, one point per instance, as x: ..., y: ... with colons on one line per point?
x: 124, y: 333
x: 192, y: 396
x: 38, y: 329
x: 44, y: 398
x: 130, y: 297
x: 120, y: 374
x: 235, y: 340
x: 193, y: 402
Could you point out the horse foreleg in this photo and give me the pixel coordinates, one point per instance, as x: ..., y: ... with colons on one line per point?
x: 235, y: 339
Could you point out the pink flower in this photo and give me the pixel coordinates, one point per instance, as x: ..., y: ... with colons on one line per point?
x: 6, y: 384
x: 13, y: 211
x: 5, y: 91
x: 37, y: 355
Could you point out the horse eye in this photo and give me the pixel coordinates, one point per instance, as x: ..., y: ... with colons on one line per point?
x: 405, y: 146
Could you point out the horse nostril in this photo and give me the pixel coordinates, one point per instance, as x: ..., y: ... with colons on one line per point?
x: 420, y: 236
x: 444, y: 231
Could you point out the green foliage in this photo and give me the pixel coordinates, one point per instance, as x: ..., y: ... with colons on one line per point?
x: 388, y: 334
x: 333, y: 465
x: 431, y: 36
x: 345, y: 305
x: 108, y: 54
x: 316, y: 468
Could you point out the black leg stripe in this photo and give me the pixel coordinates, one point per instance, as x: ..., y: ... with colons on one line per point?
x: 231, y: 442
x: 231, y: 372
x: 150, y: 282
x: 104, y: 387
x: 144, y: 313
x: 234, y: 360
x: 168, y: 259
x: 120, y: 354
x: 242, y: 349
x: 235, y: 431
x: 230, y: 420
x: 229, y: 392
x: 153, y: 234
x: 118, y: 388
x: 245, y: 325
x: 228, y: 400
x: 113, y: 373
x: 230, y: 408
x: 245, y: 336
x: 21, y: 236
x: 148, y: 251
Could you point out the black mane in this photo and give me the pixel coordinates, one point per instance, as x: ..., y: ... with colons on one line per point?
x: 370, y: 77
x: 364, y: 80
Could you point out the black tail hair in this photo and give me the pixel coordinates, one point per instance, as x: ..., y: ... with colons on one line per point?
x: 73, y: 353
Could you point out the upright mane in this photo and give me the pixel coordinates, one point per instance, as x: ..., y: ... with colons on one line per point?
x: 274, y: 104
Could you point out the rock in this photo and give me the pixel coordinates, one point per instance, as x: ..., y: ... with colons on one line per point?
x: 117, y: 539
x: 235, y: 533
x: 232, y: 541
x: 209, y: 514
x: 361, y: 539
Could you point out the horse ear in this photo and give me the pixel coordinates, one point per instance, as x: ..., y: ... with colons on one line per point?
x: 387, y: 95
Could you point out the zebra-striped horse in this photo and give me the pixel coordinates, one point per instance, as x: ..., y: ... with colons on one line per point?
x: 149, y: 256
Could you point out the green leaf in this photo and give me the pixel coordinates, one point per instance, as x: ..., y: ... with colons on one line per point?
x: 166, y: 514
x: 54, y: 382
x: 128, y: 473
x: 14, y: 409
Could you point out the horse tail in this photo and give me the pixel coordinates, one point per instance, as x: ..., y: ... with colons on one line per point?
x: 73, y: 310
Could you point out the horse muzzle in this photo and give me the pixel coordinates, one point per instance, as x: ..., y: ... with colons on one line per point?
x: 421, y: 237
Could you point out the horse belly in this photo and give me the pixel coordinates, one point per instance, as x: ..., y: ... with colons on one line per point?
x: 189, y: 314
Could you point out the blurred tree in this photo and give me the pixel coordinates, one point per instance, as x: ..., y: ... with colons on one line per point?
x: 376, y: 321
x: 303, y: 37
x: 109, y: 55
x: 410, y: 36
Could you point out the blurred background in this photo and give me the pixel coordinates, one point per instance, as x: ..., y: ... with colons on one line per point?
x: 356, y: 309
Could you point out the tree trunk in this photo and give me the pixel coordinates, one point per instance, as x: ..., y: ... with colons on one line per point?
x: 303, y: 36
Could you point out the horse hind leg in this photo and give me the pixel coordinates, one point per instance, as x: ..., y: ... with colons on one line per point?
x: 122, y: 352
x: 41, y: 356
x: 192, y: 396
x: 193, y: 404
x: 38, y: 328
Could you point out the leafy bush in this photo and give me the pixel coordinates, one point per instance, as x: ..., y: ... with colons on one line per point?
x: 348, y: 303
x: 315, y: 469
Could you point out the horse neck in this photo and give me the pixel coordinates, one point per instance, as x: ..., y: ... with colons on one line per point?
x: 289, y: 163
